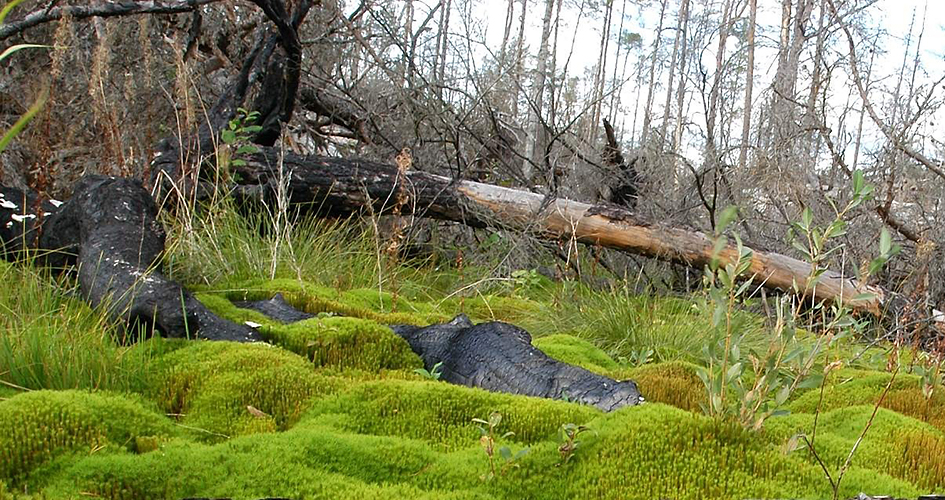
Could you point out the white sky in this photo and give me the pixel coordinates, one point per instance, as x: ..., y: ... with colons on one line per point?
x: 894, y: 16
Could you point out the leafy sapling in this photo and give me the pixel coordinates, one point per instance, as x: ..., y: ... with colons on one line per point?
x: 236, y: 139
x: 568, y: 441
x: 487, y: 438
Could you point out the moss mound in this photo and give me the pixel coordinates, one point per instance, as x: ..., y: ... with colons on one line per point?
x: 227, y: 389
x: 332, y: 410
x: 674, y: 383
x: 441, y: 413
x: 862, y: 387
x: 575, y: 351
x: 346, y: 343
x: 36, y: 427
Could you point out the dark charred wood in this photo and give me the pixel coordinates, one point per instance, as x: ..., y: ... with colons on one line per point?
x: 109, y: 230
x: 624, y: 191
x: 500, y: 357
x: 107, y: 9
x: 276, y: 308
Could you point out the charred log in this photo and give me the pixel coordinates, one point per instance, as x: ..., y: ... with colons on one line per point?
x: 109, y: 230
x: 624, y: 191
x: 500, y: 357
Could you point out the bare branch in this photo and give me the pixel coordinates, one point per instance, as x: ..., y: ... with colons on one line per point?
x: 933, y: 166
x: 43, y: 16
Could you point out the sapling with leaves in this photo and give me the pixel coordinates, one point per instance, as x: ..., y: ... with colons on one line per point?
x: 235, y: 139
x: 752, y: 386
x: 568, y: 441
x: 487, y: 438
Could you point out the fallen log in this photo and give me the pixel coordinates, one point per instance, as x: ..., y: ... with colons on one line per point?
x: 339, y: 186
x: 499, y: 357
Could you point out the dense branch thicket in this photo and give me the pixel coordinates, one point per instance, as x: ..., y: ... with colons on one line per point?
x: 138, y: 90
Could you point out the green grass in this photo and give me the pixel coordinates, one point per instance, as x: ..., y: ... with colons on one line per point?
x: 50, y: 339
x: 333, y: 409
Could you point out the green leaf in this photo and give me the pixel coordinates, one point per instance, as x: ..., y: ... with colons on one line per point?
x: 805, y: 252
x: 876, y: 265
x: 505, y: 453
x: 228, y: 136
x: 725, y: 218
x: 858, y: 182
x: 813, y: 380
x: 807, y: 217
x: 782, y: 395
x: 246, y: 149
x: 836, y: 229
x: 733, y: 372
x: 7, y: 8
x: 885, y: 242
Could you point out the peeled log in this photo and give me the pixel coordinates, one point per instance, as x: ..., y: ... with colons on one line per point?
x: 340, y: 186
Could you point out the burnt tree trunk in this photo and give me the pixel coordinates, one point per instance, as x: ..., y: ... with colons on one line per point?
x: 338, y: 186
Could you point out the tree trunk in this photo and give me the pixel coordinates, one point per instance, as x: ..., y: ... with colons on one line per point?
x: 749, y: 83
x: 535, y: 149
x: 647, y: 110
x: 342, y: 186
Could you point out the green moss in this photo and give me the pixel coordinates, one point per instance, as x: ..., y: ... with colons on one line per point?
x: 667, y: 453
x: 303, y: 463
x: 345, y: 343
x: 442, y: 413
x: 862, y: 387
x: 570, y: 349
x: 36, y: 427
x: 334, y: 411
x: 892, y: 440
x: 674, y: 383
x: 228, y: 389
x: 514, y: 310
x: 314, y: 299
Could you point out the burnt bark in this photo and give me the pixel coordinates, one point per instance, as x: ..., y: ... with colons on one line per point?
x: 109, y: 231
x: 500, y: 357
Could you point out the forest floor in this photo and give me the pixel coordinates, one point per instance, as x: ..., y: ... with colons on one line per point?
x: 336, y: 407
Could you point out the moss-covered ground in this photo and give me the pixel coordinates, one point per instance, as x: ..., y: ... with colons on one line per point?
x: 332, y: 407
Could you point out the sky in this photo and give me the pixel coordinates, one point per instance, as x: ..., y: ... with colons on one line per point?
x: 894, y: 16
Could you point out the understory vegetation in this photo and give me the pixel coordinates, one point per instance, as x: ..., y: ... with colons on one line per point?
x: 338, y: 406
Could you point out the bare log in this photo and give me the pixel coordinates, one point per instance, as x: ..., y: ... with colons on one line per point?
x: 342, y: 186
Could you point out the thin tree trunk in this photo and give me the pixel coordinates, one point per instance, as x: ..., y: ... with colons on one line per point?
x: 519, y: 57
x: 710, y: 125
x: 597, y: 96
x: 681, y: 87
x: 672, y: 75
x: 535, y: 149
x: 647, y: 111
x: 615, y: 95
x: 749, y: 83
